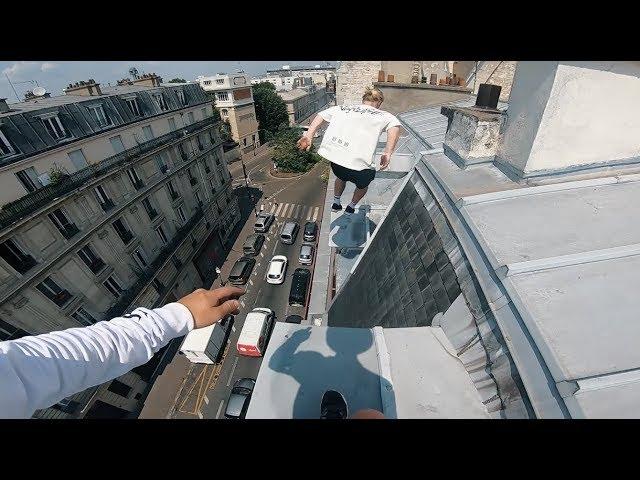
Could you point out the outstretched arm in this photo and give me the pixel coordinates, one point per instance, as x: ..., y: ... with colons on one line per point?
x: 306, y: 140
x: 37, y: 372
x: 392, y: 139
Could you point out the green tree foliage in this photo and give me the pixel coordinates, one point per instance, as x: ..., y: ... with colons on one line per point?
x: 287, y: 157
x: 178, y: 80
x: 271, y: 111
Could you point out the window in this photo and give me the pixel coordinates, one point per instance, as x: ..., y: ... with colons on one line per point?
x: 151, y: 212
x: 181, y: 97
x: 91, y: 259
x: 14, y: 256
x: 204, y: 113
x: 224, y: 113
x: 54, y: 127
x: 29, y: 179
x: 122, y: 231
x: 172, y: 191
x: 116, y: 143
x: 113, y: 286
x: 244, y: 140
x: 213, y: 186
x: 78, y: 159
x: 103, y: 199
x: 220, y: 81
x: 140, y: 258
x: 207, y: 82
x: 119, y: 388
x: 181, y: 214
x: 161, y: 234
x: 135, y: 180
x: 9, y: 332
x: 101, y: 118
x: 222, y: 96
x: 53, y: 292
x: 161, y: 162
x: 160, y: 101
x: 198, y: 199
x: 132, y: 103
x: 191, y: 118
x: 148, y: 133
x: 83, y: 316
x: 172, y: 124
x: 5, y: 146
x: 63, y: 224
x: 157, y: 285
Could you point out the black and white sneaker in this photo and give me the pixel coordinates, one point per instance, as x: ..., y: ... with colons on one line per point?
x: 336, y: 207
x: 349, y: 210
x: 333, y: 406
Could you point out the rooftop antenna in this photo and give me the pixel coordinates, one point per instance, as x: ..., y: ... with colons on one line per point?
x: 133, y: 71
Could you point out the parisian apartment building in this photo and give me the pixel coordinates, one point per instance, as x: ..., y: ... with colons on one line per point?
x: 234, y: 100
x: 112, y: 198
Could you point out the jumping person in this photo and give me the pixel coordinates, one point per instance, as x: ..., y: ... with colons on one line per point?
x: 350, y: 141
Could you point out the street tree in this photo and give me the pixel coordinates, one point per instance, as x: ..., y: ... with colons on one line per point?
x: 287, y: 156
x: 178, y: 80
x: 271, y: 111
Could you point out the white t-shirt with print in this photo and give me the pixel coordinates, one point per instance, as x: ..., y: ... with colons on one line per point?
x: 353, y: 133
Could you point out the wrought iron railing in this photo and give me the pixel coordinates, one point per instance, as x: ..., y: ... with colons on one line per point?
x: 20, y: 208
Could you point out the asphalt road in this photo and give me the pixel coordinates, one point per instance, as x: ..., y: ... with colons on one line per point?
x: 207, y: 388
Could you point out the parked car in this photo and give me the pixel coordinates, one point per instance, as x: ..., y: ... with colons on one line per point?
x: 299, y: 287
x: 263, y: 222
x: 239, y: 398
x: 289, y: 233
x: 206, y: 345
x: 277, y: 270
x: 306, y: 254
x: 310, y: 231
x: 255, y: 332
x: 294, y: 319
x: 253, y: 244
x: 241, y: 270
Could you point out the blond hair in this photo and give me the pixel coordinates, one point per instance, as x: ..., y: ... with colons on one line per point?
x: 372, y: 94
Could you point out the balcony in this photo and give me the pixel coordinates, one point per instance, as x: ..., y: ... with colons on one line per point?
x: 107, y: 205
x: 125, y: 236
x: 28, y: 204
x: 130, y: 294
x: 96, y: 265
x: 193, y: 181
x: 69, y: 231
x: 61, y: 298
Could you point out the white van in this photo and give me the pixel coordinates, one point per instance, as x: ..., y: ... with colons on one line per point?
x: 205, y: 345
x: 255, y: 332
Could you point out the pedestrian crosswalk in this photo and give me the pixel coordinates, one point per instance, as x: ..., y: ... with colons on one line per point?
x: 292, y: 211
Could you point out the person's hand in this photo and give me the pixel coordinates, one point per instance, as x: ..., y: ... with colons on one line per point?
x: 305, y: 143
x: 210, y: 306
x: 385, y: 159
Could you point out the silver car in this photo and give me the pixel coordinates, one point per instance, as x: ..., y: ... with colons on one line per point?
x: 306, y: 254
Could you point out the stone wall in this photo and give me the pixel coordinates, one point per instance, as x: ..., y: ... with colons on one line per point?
x: 497, y: 73
x: 352, y: 78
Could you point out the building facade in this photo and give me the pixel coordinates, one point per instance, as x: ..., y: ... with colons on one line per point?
x: 234, y: 101
x: 304, y: 102
x: 111, y: 200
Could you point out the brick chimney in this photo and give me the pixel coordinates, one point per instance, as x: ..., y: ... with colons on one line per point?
x: 86, y: 89
x: 148, y: 80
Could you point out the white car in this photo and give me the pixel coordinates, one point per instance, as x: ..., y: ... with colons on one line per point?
x: 277, y: 270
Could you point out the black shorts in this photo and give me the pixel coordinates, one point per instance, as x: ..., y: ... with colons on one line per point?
x: 362, y: 178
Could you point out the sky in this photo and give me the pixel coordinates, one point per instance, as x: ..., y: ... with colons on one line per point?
x: 54, y: 76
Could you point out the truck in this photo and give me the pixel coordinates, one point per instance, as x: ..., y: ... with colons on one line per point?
x: 206, y: 345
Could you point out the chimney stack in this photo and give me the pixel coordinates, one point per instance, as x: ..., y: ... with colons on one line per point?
x: 86, y: 89
x: 148, y: 80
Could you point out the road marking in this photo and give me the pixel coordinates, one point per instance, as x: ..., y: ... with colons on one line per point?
x: 309, y: 212
x: 279, y: 208
x: 296, y: 211
x: 273, y: 208
x: 250, y: 282
x: 233, y: 369
x: 200, y: 416
x: 261, y: 206
x: 242, y: 303
x: 315, y: 213
x: 255, y: 273
x: 206, y: 399
x: 233, y: 328
x: 219, y: 408
x: 262, y: 254
x: 275, y: 245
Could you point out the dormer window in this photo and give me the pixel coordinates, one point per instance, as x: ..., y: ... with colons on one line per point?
x: 98, y: 114
x: 160, y: 101
x: 53, y: 125
x: 222, y: 96
x: 181, y: 96
x: 220, y: 81
x: 6, y: 148
x: 132, y: 103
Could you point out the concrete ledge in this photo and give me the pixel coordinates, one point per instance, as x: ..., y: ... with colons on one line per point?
x: 423, y: 86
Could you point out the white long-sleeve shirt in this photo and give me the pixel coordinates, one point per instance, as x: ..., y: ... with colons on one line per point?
x: 37, y: 372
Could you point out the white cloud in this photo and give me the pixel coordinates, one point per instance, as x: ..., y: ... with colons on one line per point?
x: 20, y: 68
x: 46, y: 66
